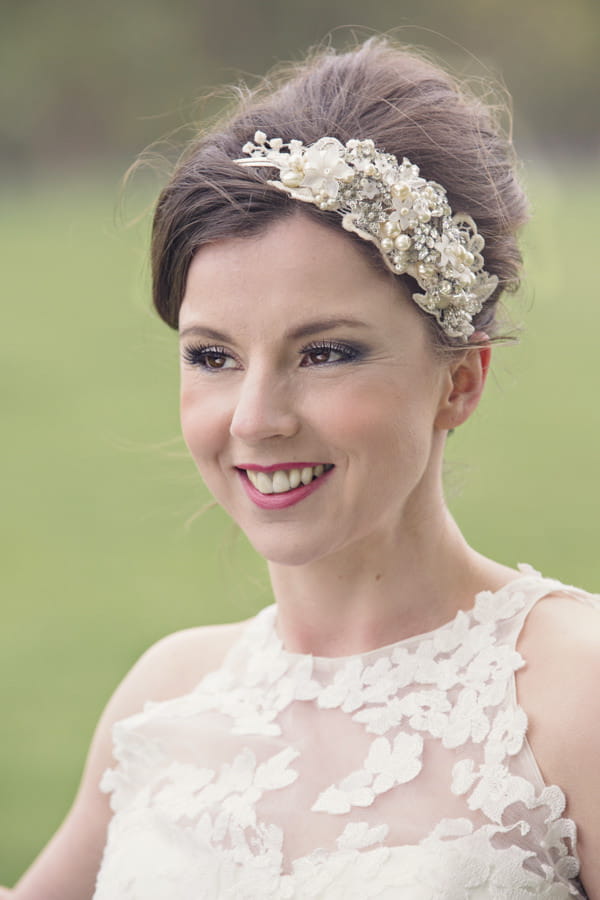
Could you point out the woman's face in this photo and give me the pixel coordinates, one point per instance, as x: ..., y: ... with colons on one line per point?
x: 309, y: 392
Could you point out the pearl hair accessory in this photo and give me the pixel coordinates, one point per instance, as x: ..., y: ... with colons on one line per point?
x: 387, y: 203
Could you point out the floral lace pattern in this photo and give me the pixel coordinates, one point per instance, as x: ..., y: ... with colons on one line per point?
x: 404, y: 771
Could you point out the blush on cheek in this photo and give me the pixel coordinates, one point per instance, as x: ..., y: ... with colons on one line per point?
x: 201, y: 433
x: 358, y: 411
x: 386, y: 425
x: 348, y: 419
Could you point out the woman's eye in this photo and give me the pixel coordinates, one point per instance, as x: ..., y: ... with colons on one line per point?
x: 218, y: 361
x: 324, y: 354
x: 208, y: 358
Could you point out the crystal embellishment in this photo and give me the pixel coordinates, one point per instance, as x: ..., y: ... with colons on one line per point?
x: 388, y: 203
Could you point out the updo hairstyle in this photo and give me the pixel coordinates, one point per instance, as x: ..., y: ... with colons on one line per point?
x: 405, y: 104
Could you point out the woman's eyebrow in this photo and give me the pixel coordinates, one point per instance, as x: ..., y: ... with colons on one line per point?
x: 314, y: 327
x: 204, y: 331
x: 301, y: 331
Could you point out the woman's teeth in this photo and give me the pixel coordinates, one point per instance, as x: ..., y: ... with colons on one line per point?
x: 283, y: 480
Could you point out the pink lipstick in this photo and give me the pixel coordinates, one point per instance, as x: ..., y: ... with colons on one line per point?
x: 287, y: 498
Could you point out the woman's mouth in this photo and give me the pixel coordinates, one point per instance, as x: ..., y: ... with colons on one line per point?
x: 282, y: 480
x: 277, y: 488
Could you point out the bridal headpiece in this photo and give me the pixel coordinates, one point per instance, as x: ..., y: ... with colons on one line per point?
x: 389, y: 204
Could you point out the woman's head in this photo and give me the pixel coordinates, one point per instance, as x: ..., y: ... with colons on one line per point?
x: 405, y: 105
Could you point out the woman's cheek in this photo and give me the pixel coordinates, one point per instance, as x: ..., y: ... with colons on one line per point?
x: 203, y: 425
x: 358, y: 410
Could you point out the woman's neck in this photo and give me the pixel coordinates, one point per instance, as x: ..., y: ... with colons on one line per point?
x: 379, y: 593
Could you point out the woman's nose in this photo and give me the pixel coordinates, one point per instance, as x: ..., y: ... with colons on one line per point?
x: 264, y: 409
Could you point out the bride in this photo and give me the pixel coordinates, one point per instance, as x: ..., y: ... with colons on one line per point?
x: 409, y: 718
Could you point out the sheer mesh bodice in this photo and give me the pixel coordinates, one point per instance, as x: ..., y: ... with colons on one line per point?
x: 401, y: 772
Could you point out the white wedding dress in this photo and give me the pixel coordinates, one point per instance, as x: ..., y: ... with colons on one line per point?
x: 403, y: 772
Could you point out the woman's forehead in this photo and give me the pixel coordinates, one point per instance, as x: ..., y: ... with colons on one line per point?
x: 295, y: 253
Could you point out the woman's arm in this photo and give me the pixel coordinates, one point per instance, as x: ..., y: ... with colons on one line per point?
x: 67, y: 868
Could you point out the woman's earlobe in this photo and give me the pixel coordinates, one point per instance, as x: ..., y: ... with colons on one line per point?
x: 467, y: 380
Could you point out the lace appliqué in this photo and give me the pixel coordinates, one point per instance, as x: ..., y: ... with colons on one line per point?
x: 288, y: 776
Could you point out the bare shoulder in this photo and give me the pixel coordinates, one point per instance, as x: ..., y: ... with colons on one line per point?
x: 558, y: 686
x: 175, y: 664
x: 559, y: 689
x: 560, y: 643
x: 170, y: 668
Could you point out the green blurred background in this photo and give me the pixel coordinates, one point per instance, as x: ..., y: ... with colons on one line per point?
x: 102, y: 550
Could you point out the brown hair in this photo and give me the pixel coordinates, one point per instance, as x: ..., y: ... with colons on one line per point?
x: 405, y: 104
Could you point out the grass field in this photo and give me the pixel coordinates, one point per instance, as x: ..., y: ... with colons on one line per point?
x: 100, y: 556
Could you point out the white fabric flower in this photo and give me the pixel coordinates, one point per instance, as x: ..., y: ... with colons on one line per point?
x: 346, y: 690
x: 324, y: 167
x: 380, y: 719
x: 507, y: 735
x: 466, y: 721
x: 394, y: 763
x: 491, y: 607
x: 358, y: 835
x: 450, y: 251
x: 351, y: 792
x: 496, y: 789
x: 427, y: 711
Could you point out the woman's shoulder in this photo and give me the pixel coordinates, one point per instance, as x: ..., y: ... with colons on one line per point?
x: 558, y: 689
x: 170, y: 668
x: 560, y: 644
x: 175, y: 664
x: 562, y: 633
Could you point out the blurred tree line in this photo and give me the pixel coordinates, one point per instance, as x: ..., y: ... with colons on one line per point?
x: 95, y: 82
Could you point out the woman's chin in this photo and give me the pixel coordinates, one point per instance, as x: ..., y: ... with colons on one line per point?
x: 288, y: 553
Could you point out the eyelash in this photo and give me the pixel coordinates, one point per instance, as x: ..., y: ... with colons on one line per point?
x: 347, y: 351
x: 200, y: 355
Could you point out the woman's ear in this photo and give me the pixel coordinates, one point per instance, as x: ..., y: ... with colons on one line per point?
x: 464, y: 385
